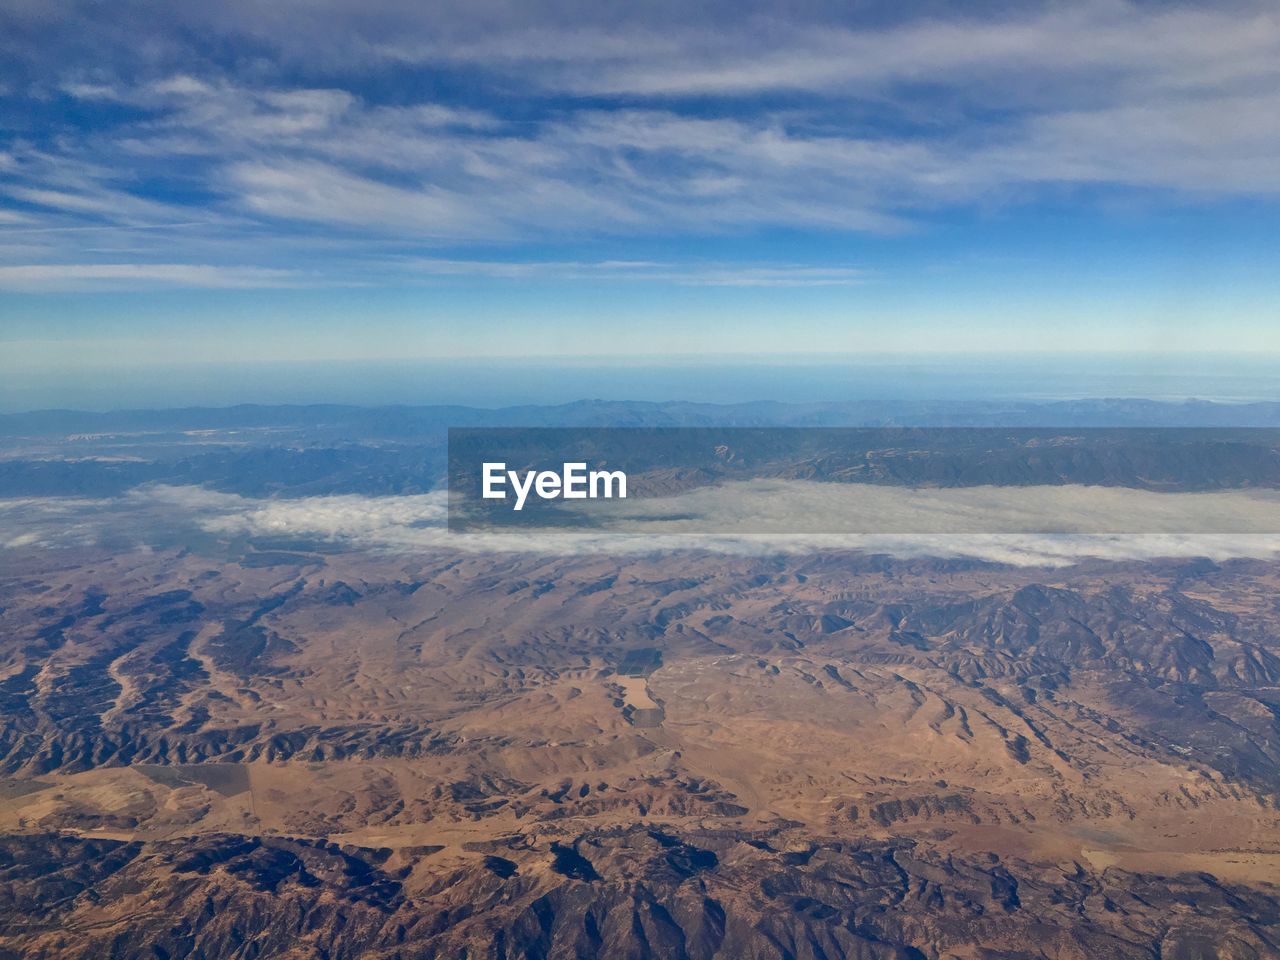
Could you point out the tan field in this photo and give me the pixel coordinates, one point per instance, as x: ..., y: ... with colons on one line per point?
x: 447, y: 710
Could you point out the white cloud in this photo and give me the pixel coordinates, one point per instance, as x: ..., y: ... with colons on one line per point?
x: 1114, y: 42
x: 180, y: 85
x: 801, y: 507
x: 354, y: 518
x: 88, y: 276
x: 61, y: 200
x: 417, y: 523
x: 320, y: 192
x: 691, y: 274
x: 47, y: 522
x: 91, y: 91
x: 400, y: 524
x: 716, y: 120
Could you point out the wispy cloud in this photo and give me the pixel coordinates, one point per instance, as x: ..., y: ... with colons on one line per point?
x: 693, y: 274
x: 90, y: 276
x: 1163, y: 48
x: 419, y: 125
x: 323, y: 193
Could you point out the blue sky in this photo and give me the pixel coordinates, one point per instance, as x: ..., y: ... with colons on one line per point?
x: 396, y: 180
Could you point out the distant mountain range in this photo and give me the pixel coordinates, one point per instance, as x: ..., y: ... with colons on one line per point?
x: 313, y: 450
x: 402, y: 422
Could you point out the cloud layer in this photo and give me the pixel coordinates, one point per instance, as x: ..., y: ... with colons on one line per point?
x: 796, y: 507
x: 180, y: 516
x: 359, y: 136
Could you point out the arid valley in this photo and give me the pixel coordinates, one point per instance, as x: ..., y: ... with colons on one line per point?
x: 497, y: 755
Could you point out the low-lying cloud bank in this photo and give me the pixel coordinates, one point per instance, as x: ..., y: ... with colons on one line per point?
x: 166, y: 516
x: 791, y: 507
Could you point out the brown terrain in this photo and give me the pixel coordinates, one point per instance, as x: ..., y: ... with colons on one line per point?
x: 686, y: 755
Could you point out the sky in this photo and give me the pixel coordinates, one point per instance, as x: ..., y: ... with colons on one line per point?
x: 386, y: 180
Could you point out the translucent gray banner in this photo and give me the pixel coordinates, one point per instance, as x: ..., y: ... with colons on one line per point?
x: 753, y: 480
